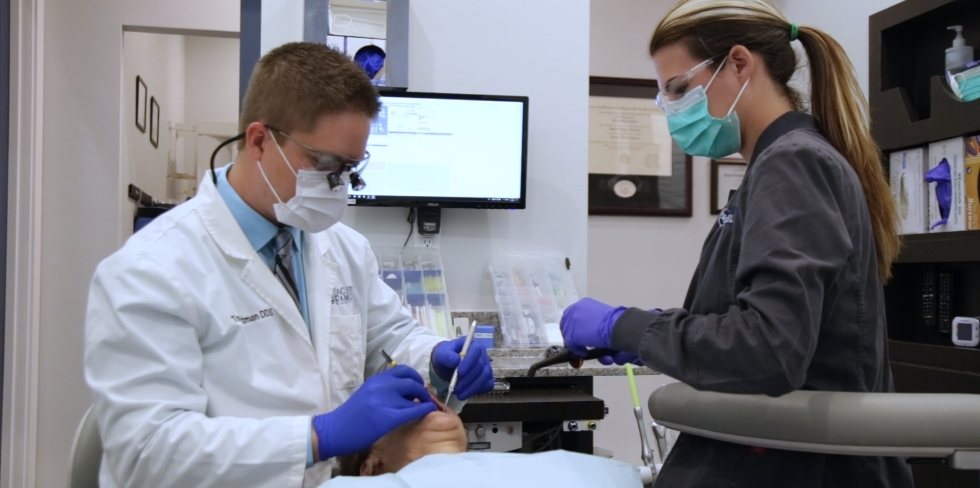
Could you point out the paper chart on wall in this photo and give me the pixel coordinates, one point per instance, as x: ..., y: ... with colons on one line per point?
x: 628, y: 136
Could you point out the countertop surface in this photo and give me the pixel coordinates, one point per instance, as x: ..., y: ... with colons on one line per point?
x: 513, y: 363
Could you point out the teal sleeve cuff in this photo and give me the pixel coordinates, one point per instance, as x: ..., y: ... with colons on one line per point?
x: 309, y: 449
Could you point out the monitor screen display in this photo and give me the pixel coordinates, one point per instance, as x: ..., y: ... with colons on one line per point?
x: 447, y: 150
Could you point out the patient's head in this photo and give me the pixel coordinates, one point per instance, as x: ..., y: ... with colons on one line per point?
x: 440, y: 432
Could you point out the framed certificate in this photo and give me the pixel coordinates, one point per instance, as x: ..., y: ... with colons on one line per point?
x: 634, y: 166
x: 726, y: 176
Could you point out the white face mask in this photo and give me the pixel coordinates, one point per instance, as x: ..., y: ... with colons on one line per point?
x: 314, y: 207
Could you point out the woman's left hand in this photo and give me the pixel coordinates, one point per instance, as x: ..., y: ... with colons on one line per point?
x: 588, y: 323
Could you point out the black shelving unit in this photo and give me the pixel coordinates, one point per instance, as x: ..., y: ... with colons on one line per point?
x: 910, y: 102
x: 910, y: 106
x: 942, y: 247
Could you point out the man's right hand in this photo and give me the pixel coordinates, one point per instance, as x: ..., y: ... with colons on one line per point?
x: 385, y: 401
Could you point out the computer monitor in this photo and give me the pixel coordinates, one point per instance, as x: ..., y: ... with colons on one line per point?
x: 447, y: 150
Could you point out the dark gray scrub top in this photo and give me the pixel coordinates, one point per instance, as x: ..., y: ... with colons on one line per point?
x: 786, y: 296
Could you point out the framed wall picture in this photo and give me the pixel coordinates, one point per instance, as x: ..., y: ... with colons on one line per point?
x: 634, y: 166
x: 140, y: 104
x: 154, y: 122
x: 726, y: 176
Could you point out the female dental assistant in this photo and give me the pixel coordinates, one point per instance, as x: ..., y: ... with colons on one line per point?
x: 788, y: 291
x: 228, y: 342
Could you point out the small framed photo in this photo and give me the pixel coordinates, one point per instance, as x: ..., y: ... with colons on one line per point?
x: 154, y: 122
x: 726, y: 176
x: 140, y: 104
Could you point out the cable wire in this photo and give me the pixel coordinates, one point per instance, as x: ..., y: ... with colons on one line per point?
x: 411, y: 225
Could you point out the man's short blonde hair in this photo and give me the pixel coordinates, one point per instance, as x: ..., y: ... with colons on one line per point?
x: 295, y: 84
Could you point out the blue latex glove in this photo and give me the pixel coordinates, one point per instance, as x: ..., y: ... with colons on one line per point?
x: 385, y: 401
x: 475, y: 373
x: 940, y: 175
x: 622, y: 358
x: 588, y: 323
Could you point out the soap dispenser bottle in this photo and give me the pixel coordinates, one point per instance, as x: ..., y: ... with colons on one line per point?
x: 960, y: 53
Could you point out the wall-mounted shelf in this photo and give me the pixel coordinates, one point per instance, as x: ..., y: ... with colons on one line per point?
x: 925, y: 363
x: 910, y: 102
x: 941, y: 247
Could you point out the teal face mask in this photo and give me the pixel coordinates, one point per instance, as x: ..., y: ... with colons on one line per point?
x: 970, y: 88
x: 698, y: 132
x: 966, y: 83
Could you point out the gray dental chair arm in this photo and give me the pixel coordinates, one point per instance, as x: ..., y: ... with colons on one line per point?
x: 931, y: 425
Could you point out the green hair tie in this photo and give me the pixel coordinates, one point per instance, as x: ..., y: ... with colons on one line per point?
x: 794, y: 32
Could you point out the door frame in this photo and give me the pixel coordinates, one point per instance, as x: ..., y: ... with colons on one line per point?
x: 22, y: 212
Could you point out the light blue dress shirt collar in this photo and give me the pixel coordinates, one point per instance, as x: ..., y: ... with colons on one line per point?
x: 260, y: 232
x: 257, y: 228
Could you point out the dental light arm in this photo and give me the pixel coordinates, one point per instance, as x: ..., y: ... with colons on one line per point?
x: 649, y: 470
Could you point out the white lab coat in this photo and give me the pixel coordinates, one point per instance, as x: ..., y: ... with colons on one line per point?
x: 202, y: 368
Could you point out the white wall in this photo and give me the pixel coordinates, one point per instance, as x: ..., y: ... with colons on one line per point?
x: 159, y: 60
x: 211, y: 88
x: 621, y: 31
x: 641, y: 261
x: 282, y: 22
x: 637, y: 261
x: 211, y: 68
x: 505, y: 48
x: 850, y: 29
x: 83, y: 200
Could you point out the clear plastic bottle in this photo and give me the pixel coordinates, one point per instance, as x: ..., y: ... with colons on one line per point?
x: 959, y: 54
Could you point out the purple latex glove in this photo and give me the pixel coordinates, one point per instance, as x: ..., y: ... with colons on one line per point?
x: 622, y: 358
x: 385, y: 401
x: 475, y: 374
x: 588, y: 323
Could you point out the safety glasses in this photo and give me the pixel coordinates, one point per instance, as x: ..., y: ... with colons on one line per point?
x: 676, y: 87
x: 325, y: 161
x: 335, y: 166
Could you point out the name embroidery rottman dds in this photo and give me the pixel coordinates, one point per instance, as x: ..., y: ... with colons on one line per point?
x: 727, y: 216
x: 245, y: 319
x: 341, y: 296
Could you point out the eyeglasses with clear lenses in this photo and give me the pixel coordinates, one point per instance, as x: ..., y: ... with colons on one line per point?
x: 328, y: 162
x: 675, y: 88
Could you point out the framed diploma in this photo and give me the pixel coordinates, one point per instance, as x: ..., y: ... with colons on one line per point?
x: 634, y: 166
x: 726, y: 176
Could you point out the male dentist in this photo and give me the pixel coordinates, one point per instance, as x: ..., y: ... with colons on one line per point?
x: 236, y: 340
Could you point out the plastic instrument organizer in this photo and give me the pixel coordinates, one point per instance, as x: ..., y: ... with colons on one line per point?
x: 531, y: 291
x: 416, y: 275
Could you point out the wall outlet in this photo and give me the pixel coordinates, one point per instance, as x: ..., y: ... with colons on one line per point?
x: 427, y: 241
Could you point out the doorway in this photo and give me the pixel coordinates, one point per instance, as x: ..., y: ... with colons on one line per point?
x: 180, y: 100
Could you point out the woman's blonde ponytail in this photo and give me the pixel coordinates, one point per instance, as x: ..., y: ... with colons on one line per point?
x: 841, y: 111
